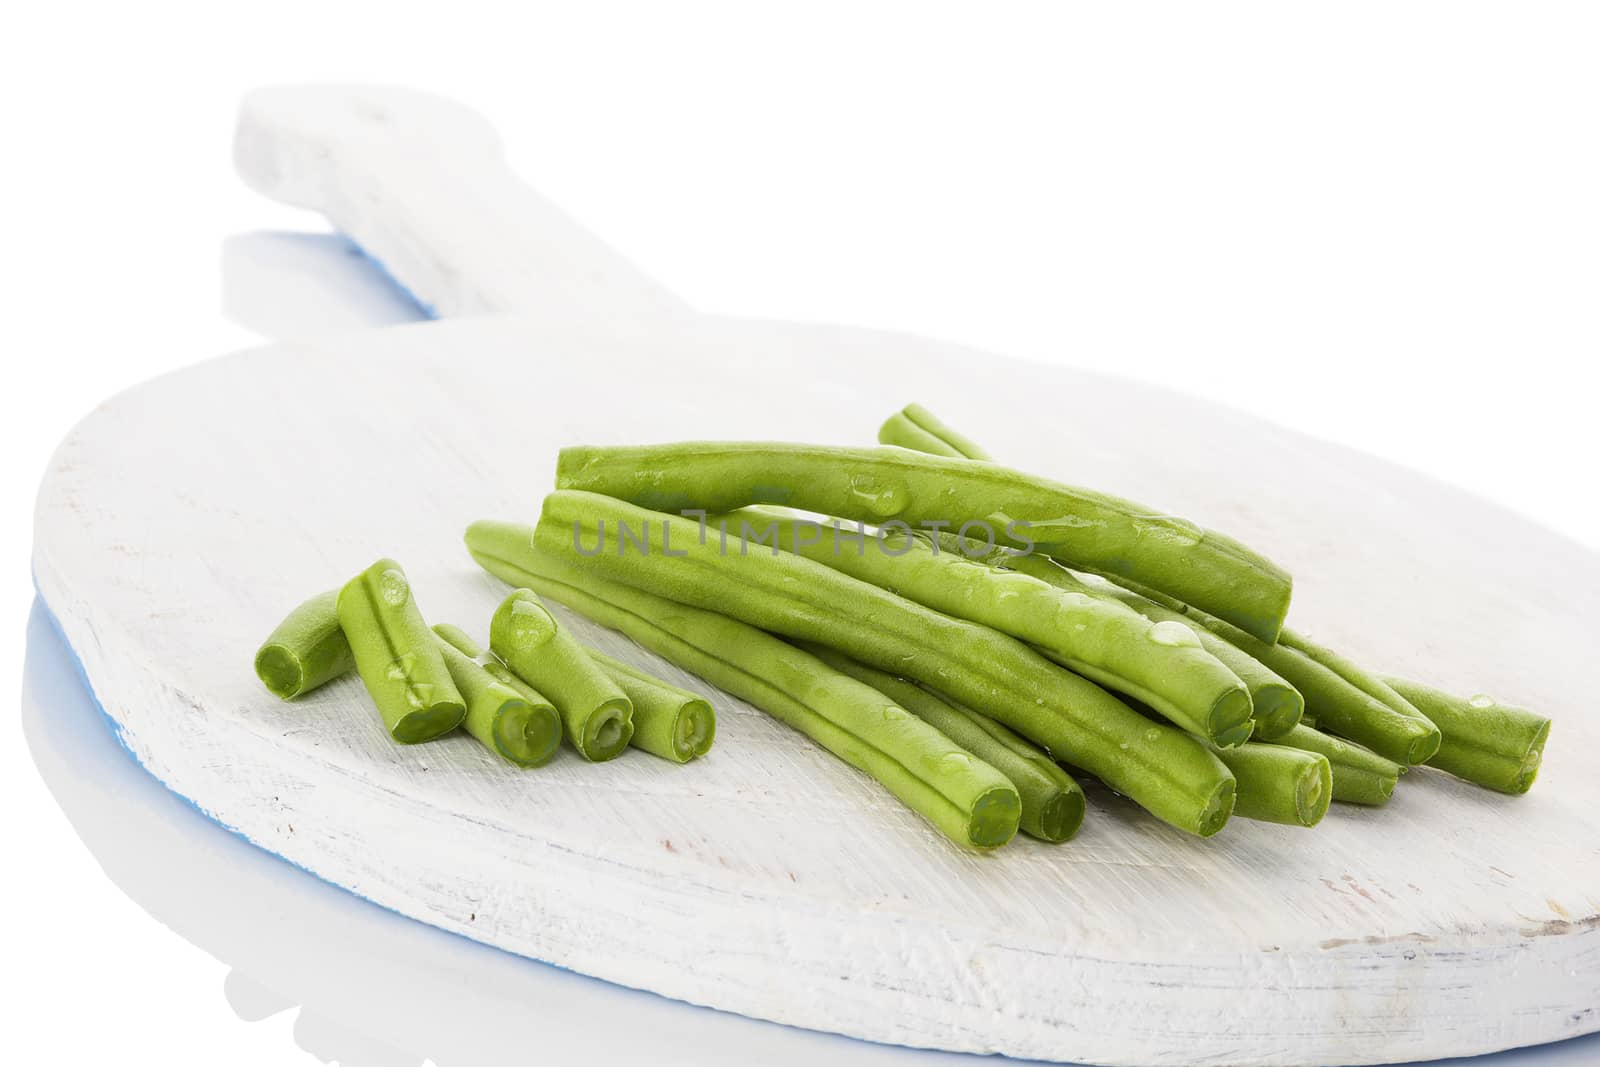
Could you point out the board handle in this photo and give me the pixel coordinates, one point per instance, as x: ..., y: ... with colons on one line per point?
x: 421, y: 183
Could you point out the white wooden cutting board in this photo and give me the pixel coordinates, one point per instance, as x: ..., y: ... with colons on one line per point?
x: 180, y: 520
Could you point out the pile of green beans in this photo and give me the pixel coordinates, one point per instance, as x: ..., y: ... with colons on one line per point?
x: 971, y: 640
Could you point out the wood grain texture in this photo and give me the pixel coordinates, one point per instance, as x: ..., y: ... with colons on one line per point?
x: 180, y: 520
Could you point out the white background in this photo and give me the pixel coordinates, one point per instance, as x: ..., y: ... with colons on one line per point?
x: 1376, y: 222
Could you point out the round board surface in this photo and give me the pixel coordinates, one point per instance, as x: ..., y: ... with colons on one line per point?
x: 182, y: 519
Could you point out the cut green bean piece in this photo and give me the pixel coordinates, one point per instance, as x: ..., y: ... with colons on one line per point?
x: 307, y: 649
x: 1160, y: 664
x: 511, y: 720
x: 1339, y: 706
x: 1053, y: 803
x: 917, y: 428
x: 597, y: 714
x: 964, y: 798
x: 1280, y: 784
x: 397, y: 655
x: 1494, y: 745
x: 1359, y: 776
x: 1169, y: 773
x: 668, y: 722
x: 1090, y: 530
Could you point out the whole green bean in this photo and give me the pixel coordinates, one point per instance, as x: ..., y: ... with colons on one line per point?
x: 1160, y: 664
x: 1359, y: 776
x: 1494, y: 745
x: 1053, y: 803
x: 668, y: 722
x: 917, y: 428
x: 1169, y: 773
x: 964, y: 798
x: 1090, y: 530
x: 597, y: 714
x: 512, y: 720
x: 397, y: 655
x: 306, y: 649
x: 1280, y: 784
x: 1339, y: 706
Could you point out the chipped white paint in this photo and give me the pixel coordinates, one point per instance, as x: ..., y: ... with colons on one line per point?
x: 181, y: 519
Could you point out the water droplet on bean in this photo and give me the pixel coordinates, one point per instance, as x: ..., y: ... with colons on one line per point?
x: 531, y: 625
x: 1173, y: 634
x: 1178, y: 532
x: 400, y: 669
x: 882, y: 497
x: 1482, y: 701
x: 393, y: 587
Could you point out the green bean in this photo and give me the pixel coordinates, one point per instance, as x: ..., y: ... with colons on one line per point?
x: 1369, y: 683
x: 917, y: 428
x: 1053, y: 803
x: 1090, y: 530
x: 964, y: 798
x: 1359, y: 776
x: 597, y: 714
x: 306, y: 649
x: 1339, y: 706
x: 397, y: 656
x: 505, y: 714
x: 1160, y: 664
x: 1280, y: 784
x: 668, y: 722
x: 1494, y: 745
x: 1169, y: 773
